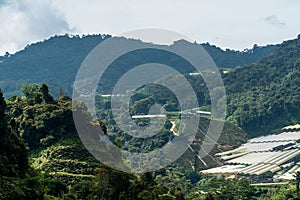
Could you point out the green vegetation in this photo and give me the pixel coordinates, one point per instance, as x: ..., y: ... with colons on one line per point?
x: 56, y: 61
x: 262, y: 97
x: 225, y: 189
x: 42, y: 157
x: 17, y: 179
x: 62, y: 168
x: 265, y: 96
x: 230, y: 58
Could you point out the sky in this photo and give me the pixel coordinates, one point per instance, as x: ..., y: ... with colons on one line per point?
x: 233, y: 24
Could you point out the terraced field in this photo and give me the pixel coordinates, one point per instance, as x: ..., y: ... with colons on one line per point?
x: 67, y: 160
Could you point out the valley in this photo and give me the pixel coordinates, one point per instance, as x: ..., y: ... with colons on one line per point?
x: 43, y: 157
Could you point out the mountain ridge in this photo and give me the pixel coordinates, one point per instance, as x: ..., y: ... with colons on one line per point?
x: 56, y: 61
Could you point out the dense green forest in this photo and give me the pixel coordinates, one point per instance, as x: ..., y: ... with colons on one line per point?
x: 262, y: 97
x: 47, y: 151
x: 230, y: 58
x: 41, y: 62
x: 42, y: 156
x: 265, y: 96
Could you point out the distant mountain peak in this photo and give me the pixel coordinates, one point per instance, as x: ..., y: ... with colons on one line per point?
x: 56, y: 61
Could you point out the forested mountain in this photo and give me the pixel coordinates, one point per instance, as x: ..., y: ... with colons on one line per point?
x: 250, y: 87
x: 56, y: 61
x: 230, y: 58
x: 42, y: 157
x: 266, y: 95
x: 62, y: 167
x: 262, y: 97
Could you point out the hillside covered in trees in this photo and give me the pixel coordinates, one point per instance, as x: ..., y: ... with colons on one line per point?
x: 56, y: 61
x: 265, y: 95
x: 262, y: 97
x: 42, y: 156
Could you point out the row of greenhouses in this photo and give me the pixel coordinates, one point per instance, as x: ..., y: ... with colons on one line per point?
x: 276, y: 154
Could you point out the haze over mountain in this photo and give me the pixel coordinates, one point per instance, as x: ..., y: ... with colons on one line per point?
x: 57, y: 60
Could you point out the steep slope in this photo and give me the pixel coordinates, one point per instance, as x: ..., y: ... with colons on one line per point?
x: 13, y: 157
x: 266, y: 95
x: 17, y: 181
x: 262, y: 97
x: 47, y: 126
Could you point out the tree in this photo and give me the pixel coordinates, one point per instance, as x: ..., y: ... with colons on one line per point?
x: 32, y: 93
x: 297, y: 183
x: 230, y: 189
x: 17, y: 180
x: 3, y: 124
x: 110, y: 183
x: 13, y: 154
x: 47, y: 98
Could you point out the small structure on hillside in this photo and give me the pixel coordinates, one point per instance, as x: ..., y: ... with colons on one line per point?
x: 292, y: 128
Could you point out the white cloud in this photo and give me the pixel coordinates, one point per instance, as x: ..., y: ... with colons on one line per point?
x: 274, y: 20
x: 232, y: 24
x: 26, y: 21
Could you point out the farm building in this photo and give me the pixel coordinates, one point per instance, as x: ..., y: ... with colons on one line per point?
x: 267, y: 158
